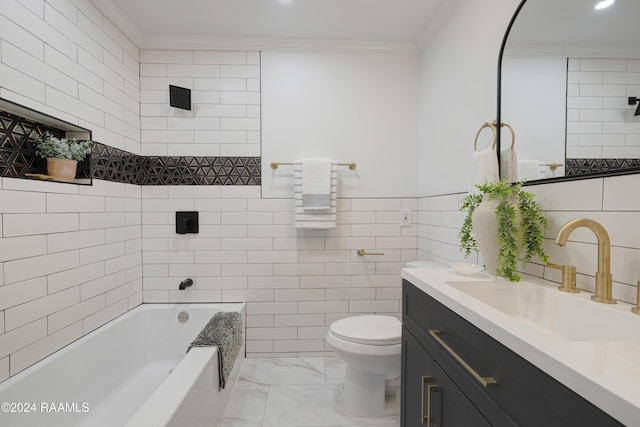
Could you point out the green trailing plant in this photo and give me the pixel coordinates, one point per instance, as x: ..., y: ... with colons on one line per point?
x: 520, y: 226
x: 49, y: 145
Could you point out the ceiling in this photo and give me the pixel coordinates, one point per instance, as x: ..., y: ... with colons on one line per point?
x: 157, y: 23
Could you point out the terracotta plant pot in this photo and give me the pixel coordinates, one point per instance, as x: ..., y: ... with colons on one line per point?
x: 62, y: 169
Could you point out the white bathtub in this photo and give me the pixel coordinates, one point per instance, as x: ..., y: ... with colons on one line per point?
x: 133, y: 371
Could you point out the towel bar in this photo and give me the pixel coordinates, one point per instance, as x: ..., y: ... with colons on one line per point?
x: 274, y: 165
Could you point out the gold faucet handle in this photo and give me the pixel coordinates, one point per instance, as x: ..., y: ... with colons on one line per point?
x: 568, y: 277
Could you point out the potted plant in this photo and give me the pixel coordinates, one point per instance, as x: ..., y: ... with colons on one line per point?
x: 62, y: 154
x: 506, y: 224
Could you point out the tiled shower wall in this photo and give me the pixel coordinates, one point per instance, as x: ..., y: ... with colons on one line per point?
x: 295, y: 282
x: 606, y: 200
x: 70, y: 256
x: 71, y: 261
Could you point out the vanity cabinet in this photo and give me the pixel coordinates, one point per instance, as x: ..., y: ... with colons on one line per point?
x: 475, y: 380
x: 429, y: 396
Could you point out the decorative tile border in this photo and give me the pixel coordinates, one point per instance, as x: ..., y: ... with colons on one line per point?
x: 17, y: 158
x: 577, y: 167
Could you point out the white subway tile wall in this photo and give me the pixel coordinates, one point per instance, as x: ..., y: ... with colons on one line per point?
x: 68, y: 61
x: 225, y: 116
x: 65, y: 274
x: 295, y: 283
x: 606, y: 200
x: 600, y: 123
x: 70, y: 256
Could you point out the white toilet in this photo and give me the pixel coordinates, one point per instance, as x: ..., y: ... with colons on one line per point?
x: 370, y: 346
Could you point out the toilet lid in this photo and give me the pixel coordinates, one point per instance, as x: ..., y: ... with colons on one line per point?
x: 372, y: 329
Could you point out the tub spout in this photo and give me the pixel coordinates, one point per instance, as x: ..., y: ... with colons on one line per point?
x: 185, y: 284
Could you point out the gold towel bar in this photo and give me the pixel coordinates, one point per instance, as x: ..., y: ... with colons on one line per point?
x: 274, y: 165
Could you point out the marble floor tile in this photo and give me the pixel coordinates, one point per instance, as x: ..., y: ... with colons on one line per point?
x: 334, y: 370
x: 283, y: 371
x: 290, y: 392
x: 310, y: 405
x: 247, y: 403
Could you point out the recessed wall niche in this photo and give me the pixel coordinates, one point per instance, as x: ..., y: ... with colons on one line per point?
x: 17, y: 152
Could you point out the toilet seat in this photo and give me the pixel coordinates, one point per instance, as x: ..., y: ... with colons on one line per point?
x: 374, y: 330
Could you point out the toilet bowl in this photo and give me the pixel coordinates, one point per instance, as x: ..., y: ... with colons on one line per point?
x: 370, y: 346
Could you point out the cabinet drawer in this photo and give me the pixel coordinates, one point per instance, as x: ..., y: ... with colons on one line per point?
x: 527, y: 395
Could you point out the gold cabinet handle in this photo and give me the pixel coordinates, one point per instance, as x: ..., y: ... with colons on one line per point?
x: 430, y: 389
x: 485, y: 381
x: 425, y: 419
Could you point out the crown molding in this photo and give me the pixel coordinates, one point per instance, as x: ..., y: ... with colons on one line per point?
x: 436, y: 22
x: 277, y: 44
x: 119, y: 19
x: 113, y: 13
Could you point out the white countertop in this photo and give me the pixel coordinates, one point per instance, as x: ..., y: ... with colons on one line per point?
x: 606, y: 373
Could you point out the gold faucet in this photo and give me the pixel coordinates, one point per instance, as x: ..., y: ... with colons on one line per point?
x: 603, y: 275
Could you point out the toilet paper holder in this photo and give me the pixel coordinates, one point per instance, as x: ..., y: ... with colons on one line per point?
x: 362, y: 252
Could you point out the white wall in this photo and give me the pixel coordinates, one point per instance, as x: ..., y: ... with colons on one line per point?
x: 458, y: 92
x: 350, y: 107
x: 534, y: 103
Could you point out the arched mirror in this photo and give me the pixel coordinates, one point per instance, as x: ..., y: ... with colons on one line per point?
x: 568, y: 76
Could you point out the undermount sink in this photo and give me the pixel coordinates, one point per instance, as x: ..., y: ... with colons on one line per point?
x: 572, y: 316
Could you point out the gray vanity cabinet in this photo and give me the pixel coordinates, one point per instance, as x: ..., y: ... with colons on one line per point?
x: 460, y: 362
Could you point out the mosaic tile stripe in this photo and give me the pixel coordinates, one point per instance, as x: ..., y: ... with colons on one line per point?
x: 577, y: 167
x: 17, y: 158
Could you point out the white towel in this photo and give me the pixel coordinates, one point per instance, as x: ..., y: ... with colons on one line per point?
x: 316, y: 185
x: 509, y: 164
x: 484, y: 168
x: 315, y: 219
x: 529, y: 169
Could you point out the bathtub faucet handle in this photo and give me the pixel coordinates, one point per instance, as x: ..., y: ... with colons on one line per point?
x: 185, y: 284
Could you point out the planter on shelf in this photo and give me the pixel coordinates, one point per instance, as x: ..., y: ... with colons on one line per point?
x: 62, y: 169
x: 505, y: 224
x: 62, y: 154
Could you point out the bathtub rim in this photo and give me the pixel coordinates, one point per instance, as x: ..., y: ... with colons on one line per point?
x: 42, y: 363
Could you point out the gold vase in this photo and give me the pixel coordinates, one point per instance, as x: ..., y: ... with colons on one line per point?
x: 62, y: 169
